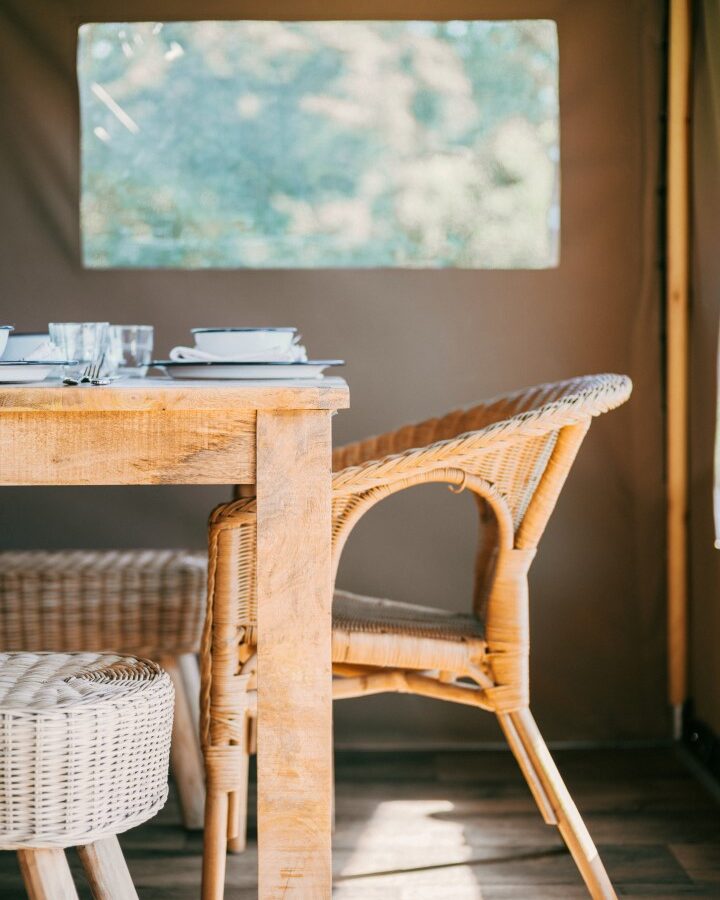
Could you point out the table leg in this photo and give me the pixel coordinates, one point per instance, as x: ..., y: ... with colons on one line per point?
x: 294, y: 661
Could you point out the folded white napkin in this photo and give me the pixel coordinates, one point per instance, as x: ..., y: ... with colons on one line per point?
x: 294, y: 353
x: 46, y: 350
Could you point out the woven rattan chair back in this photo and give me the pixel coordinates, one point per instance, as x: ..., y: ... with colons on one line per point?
x: 519, y: 448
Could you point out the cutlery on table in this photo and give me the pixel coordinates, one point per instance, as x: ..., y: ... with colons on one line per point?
x: 90, y: 374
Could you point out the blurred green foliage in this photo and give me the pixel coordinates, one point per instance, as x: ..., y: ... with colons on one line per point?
x: 314, y: 144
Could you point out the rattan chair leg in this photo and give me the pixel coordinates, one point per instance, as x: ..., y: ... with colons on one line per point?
x: 527, y: 768
x: 106, y: 870
x: 46, y: 875
x: 570, y: 823
x: 215, y: 845
x: 186, y: 762
x: 238, y: 800
x: 252, y: 735
x: 333, y: 817
x: 237, y: 822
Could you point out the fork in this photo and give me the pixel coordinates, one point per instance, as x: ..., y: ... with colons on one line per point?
x: 90, y: 372
x: 97, y: 378
x: 83, y: 376
x: 96, y: 369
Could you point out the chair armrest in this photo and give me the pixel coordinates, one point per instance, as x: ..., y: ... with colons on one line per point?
x: 407, y: 437
x: 546, y: 405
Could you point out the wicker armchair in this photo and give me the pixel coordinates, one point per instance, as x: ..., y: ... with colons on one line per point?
x: 145, y: 603
x: 514, y: 454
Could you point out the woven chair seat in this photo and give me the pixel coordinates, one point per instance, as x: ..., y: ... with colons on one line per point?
x: 142, y: 602
x: 368, y: 631
x: 84, y: 743
x: 353, y: 612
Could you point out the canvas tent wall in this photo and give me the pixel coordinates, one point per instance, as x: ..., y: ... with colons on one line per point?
x: 417, y: 343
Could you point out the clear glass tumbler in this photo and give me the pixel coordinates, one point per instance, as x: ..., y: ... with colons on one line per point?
x: 83, y: 341
x: 130, y: 349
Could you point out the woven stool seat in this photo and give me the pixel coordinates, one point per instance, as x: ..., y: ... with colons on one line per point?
x: 144, y: 602
x: 84, y: 744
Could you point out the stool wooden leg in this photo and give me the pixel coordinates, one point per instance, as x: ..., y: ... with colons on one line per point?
x: 186, y: 761
x: 46, y: 875
x: 106, y: 870
x: 569, y: 820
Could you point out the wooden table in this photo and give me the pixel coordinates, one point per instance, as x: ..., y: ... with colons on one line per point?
x: 276, y: 435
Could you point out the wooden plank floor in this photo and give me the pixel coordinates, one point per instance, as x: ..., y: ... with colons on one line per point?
x: 462, y: 826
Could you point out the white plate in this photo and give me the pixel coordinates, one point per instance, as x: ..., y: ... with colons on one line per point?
x: 241, y: 371
x: 24, y: 371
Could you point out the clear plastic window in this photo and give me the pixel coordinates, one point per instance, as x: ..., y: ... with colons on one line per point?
x: 320, y: 144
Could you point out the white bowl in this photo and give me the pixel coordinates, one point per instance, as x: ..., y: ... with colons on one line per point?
x: 243, y: 341
x: 22, y: 343
x: 4, y: 334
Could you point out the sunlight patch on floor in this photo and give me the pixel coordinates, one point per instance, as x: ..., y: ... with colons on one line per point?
x: 409, y: 850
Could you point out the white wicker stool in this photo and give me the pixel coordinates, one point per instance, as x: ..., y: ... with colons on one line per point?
x: 84, y: 749
x: 146, y: 603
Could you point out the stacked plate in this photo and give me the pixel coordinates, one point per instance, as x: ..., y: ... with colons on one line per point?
x: 244, y: 353
x: 26, y: 357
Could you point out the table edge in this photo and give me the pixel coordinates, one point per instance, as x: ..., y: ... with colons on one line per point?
x: 171, y: 395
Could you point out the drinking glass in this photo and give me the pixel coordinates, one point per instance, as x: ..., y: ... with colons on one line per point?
x: 130, y: 349
x: 82, y: 341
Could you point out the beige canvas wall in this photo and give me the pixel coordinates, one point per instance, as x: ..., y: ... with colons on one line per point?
x: 417, y: 343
